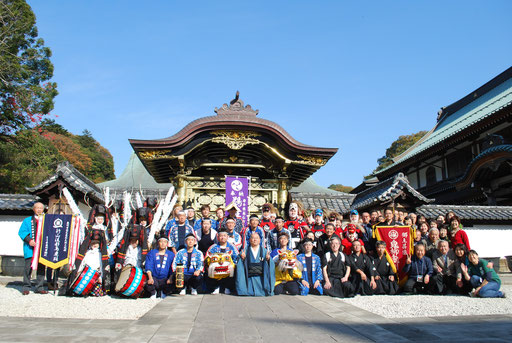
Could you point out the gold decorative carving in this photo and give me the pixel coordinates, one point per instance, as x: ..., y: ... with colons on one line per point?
x: 312, y: 160
x: 155, y: 154
x: 235, y: 140
x: 233, y: 158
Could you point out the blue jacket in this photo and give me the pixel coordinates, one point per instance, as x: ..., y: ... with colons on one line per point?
x: 419, y: 267
x: 26, y: 230
x: 159, y: 270
x: 316, y: 273
x: 196, y: 262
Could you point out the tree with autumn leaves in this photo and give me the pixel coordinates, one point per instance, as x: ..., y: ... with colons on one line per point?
x: 31, y: 155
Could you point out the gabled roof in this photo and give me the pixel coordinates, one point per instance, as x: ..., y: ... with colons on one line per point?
x: 468, y: 212
x: 463, y: 115
x: 78, y: 181
x: 386, y: 191
x: 314, y: 196
x: 17, y: 202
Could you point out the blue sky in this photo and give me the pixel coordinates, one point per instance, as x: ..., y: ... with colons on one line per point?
x: 348, y: 74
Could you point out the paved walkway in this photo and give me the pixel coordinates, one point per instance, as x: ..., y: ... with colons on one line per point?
x: 211, y: 319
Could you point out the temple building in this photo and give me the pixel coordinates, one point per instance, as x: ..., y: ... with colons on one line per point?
x: 466, y: 158
x: 236, y: 142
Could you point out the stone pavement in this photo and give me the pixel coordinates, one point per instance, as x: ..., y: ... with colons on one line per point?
x: 222, y: 318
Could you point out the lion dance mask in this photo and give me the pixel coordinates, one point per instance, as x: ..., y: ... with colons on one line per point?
x: 288, y: 268
x: 220, y: 266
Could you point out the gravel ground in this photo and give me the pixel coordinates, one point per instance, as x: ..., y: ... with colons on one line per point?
x: 14, y: 304
x: 408, y: 306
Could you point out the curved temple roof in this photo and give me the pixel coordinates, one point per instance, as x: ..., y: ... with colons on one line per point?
x: 244, y: 130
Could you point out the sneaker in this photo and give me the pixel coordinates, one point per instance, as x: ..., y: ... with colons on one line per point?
x: 503, y: 294
x: 153, y: 296
x: 227, y: 291
x: 193, y: 291
x: 216, y: 291
x: 183, y: 291
x: 163, y: 296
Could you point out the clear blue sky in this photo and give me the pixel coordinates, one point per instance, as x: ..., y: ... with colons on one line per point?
x: 348, y: 74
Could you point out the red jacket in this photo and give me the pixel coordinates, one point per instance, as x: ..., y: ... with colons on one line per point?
x: 460, y: 237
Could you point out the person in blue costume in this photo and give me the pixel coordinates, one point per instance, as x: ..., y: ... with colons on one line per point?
x: 255, y: 274
x: 27, y: 233
x: 159, y: 270
x: 312, y: 276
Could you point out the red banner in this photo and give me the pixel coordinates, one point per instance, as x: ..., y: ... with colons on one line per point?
x: 399, y: 244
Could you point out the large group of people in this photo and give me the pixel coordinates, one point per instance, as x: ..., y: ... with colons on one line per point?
x: 317, y: 253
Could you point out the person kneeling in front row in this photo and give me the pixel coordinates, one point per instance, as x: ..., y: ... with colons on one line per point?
x: 484, y: 279
x: 192, y: 260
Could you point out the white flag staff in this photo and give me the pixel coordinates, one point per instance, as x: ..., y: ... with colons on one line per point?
x: 162, y: 213
x: 76, y: 211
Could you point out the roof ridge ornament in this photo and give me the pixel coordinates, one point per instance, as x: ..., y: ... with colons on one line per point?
x: 236, y: 106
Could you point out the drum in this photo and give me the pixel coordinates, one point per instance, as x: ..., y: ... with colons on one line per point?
x: 131, y: 282
x: 85, y: 282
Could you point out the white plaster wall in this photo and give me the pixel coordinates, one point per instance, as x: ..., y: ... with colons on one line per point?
x: 11, y: 244
x: 491, y: 240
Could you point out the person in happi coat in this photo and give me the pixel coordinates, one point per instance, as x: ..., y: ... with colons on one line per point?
x: 385, y: 277
x: 249, y: 230
x: 318, y: 226
x: 272, y: 237
x: 266, y: 221
x: 178, y: 232
x: 361, y: 271
x: 312, y: 275
x: 205, y: 214
x: 255, y: 274
x: 215, y: 286
x: 233, y: 237
x: 27, y: 233
x: 206, y: 235
x: 159, y: 270
x: 284, y: 244
x: 232, y: 210
x: 336, y: 270
x: 295, y: 225
x: 192, y: 260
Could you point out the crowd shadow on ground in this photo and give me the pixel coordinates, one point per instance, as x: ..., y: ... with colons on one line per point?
x: 449, y: 329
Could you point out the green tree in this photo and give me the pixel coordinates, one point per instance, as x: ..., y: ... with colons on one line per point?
x: 341, y: 188
x: 26, y: 159
x: 25, y: 67
x: 50, y: 125
x: 397, y: 147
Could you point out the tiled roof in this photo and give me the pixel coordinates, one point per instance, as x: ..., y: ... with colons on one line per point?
x: 18, y: 202
x: 503, y: 148
x: 468, y: 212
x: 314, y: 196
x: 386, y: 191
x: 482, y: 107
x: 75, y: 179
